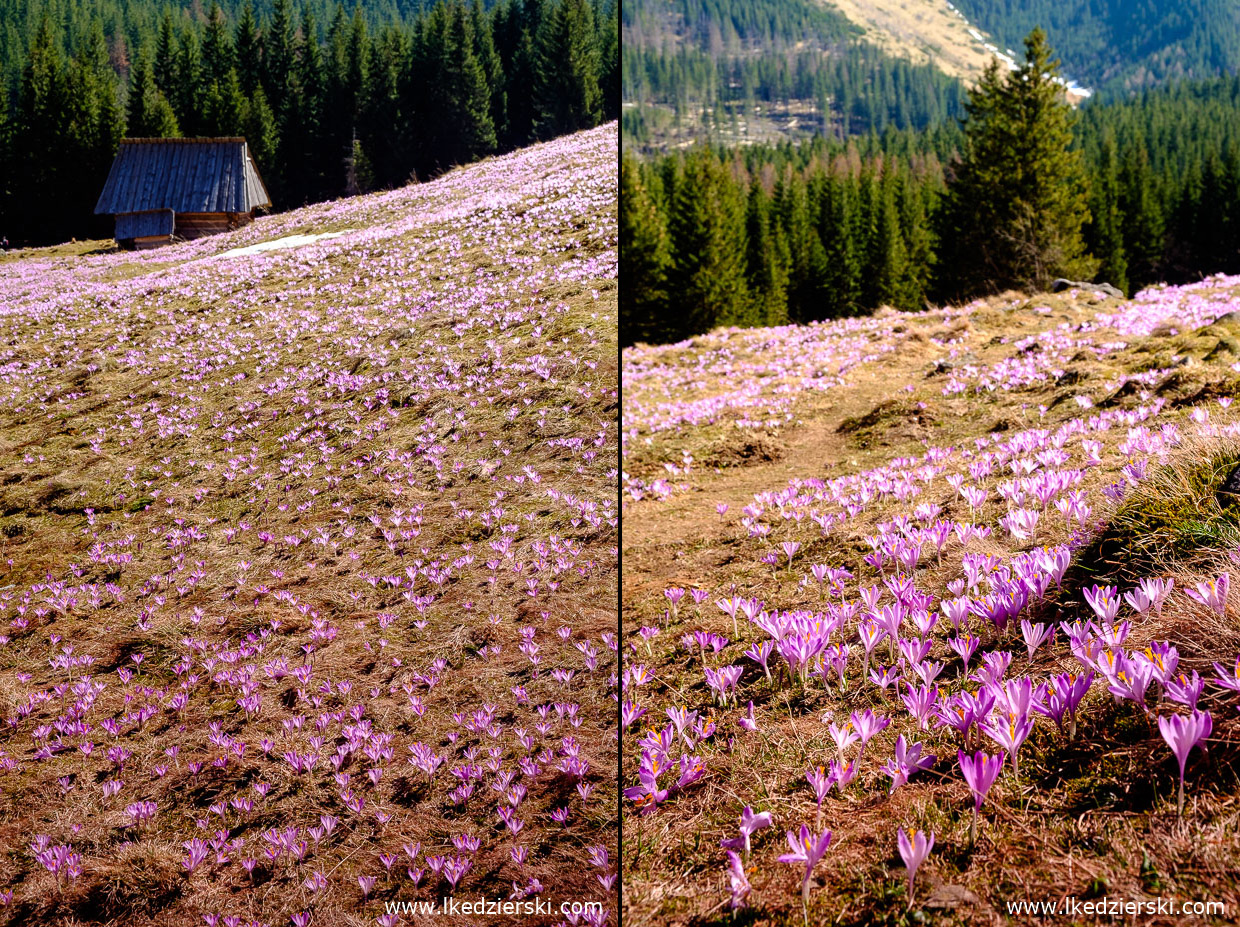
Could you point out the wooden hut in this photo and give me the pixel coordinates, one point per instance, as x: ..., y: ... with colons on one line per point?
x: 165, y: 188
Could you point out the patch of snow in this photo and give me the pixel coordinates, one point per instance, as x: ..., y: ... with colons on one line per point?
x: 276, y: 244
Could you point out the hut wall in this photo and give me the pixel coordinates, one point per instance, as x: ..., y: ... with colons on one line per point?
x: 198, y: 224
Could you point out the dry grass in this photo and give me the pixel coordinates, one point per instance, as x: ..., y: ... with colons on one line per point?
x: 296, y: 397
x: 924, y: 31
x: 1090, y: 817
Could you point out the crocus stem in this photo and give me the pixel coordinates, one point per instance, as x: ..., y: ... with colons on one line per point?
x: 1180, y: 803
x: 973, y: 828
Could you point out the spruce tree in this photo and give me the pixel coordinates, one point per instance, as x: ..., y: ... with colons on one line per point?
x: 889, y: 257
x: 1017, y: 204
x: 766, y: 261
x: 39, y: 151
x: 380, y: 113
x: 470, y: 97
x: 1108, y: 229
x: 840, y: 233
x: 217, y: 48
x: 224, y: 108
x: 258, y: 125
x: 279, y: 50
x: 188, y: 91
x: 523, y: 24
x: 492, y: 67
x: 1143, y: 224
x: 149, y: 114
x: 566, y: 88
x: 792, y: 214
x: 706, y: 281
x: 165, y: 64
x: 247, y: 43
x: 609, y: 62
x: 643, y: 242
x: 919, y: 240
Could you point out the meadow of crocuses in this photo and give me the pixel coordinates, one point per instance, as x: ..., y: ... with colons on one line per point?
x: 929, y: 615
x: 309, y: 561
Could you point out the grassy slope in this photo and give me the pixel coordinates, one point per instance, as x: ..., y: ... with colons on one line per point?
x: 921, y: 31
x: 1093, y: 816
x: 384, y: 461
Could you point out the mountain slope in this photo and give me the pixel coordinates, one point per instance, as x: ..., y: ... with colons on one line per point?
x: 965, y: 477
x: 744, y: 71
x: 1117, y: 45
x: 310, y: 556
x: 926, y: 31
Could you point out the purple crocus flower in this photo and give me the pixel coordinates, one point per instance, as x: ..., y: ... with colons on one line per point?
x: 748, y: 723
x: 980, y: 772
x: 739, y: 883
x: 750, y: 824
x: 1104, y: 601
x: 1182, y: 733
x: 1185, y: 689
x: 914, y: 853
x: 1010, y: 732
x: 1212, y: 593
x: 907, y: 760
x: 807, y: 849
x: 1228, y: 678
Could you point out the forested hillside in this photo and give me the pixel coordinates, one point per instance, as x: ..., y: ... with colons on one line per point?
x: 736, y: 68
x: 1119, y: 45
x: 750, y: 70
x: 332, y: 101
x: 832, y: 228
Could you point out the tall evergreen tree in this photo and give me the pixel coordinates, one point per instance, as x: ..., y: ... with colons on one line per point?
x: 492, y: 68
x: 188, y: 91
x: 609, y: 62
x: 380, y: 114
x: 519, y: 22
x: 919, y: 241
x: 41, y: 123
x: 455, y: 104
x: 258, y: 125
x: 149, y: 114
x: 644, y: 312
x: 889, y: 268
x: 247, y: 42
x: 166, y: 56
x: 224, y: 108
x: 767, y: 260
x: 707, y: 225
x: 1108, y: 229
x: 1017, y: 204
x: 839, y: 230
x: 1143, y: 223
x: 217, y: 48
x: 566, y: 87
x: 792, y: 213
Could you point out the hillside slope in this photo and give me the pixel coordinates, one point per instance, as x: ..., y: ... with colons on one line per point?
x: 1119, y: 46
x: 973, y: 501
x: 309, y: 557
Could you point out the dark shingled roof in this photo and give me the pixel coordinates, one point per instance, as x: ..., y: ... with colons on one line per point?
x: 184, y: 175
